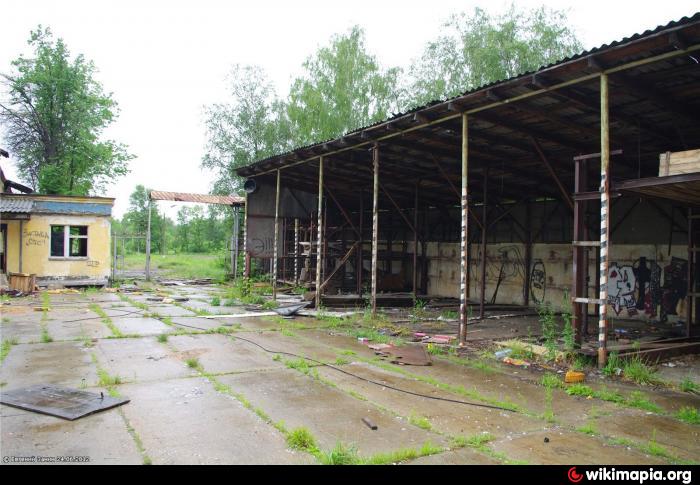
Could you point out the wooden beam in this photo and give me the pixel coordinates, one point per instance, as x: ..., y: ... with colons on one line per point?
x: 339, y: 264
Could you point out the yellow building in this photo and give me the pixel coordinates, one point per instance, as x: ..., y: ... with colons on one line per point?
x: 63, y: 240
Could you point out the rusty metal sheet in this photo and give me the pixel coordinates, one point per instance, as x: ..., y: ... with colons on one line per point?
x: 407, y: 355
x: 200, y: 198
x: 60, y: 402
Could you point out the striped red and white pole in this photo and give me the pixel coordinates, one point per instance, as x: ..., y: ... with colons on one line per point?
x: 604, y: 219
x: 464, y: 245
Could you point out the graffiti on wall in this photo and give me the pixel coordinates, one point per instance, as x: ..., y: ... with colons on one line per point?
x: 639, y: 287
x: 538, y: 281
x: 35, y: 238
x: 622, y: 284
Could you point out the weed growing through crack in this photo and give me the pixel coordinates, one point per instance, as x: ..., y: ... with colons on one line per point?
x: 589, y: 429
x: 216, y: 301
x: 421, y: 421
x: 636, y: 370
x: 549, y: 329
x: 689, y: 415
x: 6, y: 347
x: 613, y: 365
x: 162, y: 338
x: 193, y: 363
x: 116, y: 333
x: 688, y: 385
x: 302, y: 439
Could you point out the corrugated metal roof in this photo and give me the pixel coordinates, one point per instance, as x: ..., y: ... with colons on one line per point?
x: 596, y: 50
x: 200, y: 198
x: 13, y: 205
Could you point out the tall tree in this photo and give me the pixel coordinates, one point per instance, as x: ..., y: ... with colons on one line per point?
x: 480, y: 48
x: 342, y: 88
x: 249, y: 126
x: 54, y: 116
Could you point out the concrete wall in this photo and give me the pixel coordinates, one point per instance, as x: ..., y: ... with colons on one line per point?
x: 645, y: 280
x: 36, y: 246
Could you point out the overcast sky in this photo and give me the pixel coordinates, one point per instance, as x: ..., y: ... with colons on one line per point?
x: 164, y: 60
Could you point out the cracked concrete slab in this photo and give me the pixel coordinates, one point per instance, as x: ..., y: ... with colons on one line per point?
x: 66, y: 364
x: 185, y: 421
x: 565, y: 448
x: 102, y: 437
x: 143, y: 359
x: 329, y: 414
x: 218, y: 353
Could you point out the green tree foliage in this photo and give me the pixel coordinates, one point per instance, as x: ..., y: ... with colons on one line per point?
x: 250, y: 126
x: 54, y: 116
x: 342, y: 88
x: 135, y: 222
x: 480, y: 48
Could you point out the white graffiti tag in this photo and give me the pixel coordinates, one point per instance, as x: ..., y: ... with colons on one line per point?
x: 622, y: 284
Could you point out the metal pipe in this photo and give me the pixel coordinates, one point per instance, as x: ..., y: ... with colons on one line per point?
x: 375, y: 226
x: 463, y: 261
x: 483, y: 248
x: 319, y: 231
x: 296, y: 251
x: 360, y: 256
x: 236, y: 237
x: 275, y: 245
x: 246, y: 269
x: 415, y: 245
x: 148, y: 241
x: 604, y: 219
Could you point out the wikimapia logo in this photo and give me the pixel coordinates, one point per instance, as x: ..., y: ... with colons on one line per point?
x: 640, y: 476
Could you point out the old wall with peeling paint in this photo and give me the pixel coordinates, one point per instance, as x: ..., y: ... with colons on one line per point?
x: 36, y: 244
x: 645, y: 280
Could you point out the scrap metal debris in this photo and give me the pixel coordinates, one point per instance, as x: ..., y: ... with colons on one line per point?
x: 370, y: 424
x: 61, y: 402
x: 406, y: 355
x: 288, y: 311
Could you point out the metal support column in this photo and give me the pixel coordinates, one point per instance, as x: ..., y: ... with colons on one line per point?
x: 375, y: 226
x: 296, y: 251
x: 148, y: 241
x: 579, y: 281
x: 275, y: 245
x: 246, y: 269
x: 415, y: 245
x: 236, y: 234
x: 604, y: 219
x: 319, y: 231
x: 483, y: 247
x: 465, y: 228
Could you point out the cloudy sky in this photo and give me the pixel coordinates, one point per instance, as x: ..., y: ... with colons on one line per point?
x: 164, y: 60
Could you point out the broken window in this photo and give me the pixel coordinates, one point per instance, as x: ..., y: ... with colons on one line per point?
x: 69, y: 241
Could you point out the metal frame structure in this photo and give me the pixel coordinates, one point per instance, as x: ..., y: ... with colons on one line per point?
x: 520, y: 133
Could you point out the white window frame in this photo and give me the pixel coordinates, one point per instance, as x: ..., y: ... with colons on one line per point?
x: 66, y: 241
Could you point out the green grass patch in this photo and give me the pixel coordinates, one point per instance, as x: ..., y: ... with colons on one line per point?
x: 589, y: 429
x: 215, y: 301
x: 302, y: 439
x: 689, y: 415
x: 6, y: 347
x: 162, y: 338
x: 193, y: 363
x: 636, y: 370
x: 421, y: 421
x: 106, y: 320
x: 182, y: 265
x: 640, y: 401
x: 688, y: 385
x: 300, y: 365
x: 551, y: 381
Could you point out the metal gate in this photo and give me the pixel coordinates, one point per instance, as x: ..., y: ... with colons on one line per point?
x: 126, y: 251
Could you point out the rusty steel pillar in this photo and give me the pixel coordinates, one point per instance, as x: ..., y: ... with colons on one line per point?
x: 604, y: 219
x: 483, y: 248
x: 319, y: 231
x: 579, y: 253
x: 296, y: 251
x: 463, y: 261
x: 275, y: 245
x: 415, y: 245
x: 246, y: 267
x: 375, y: 225
x: 360, y: 257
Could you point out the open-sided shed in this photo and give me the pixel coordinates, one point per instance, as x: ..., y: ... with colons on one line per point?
x: 487, y: 191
